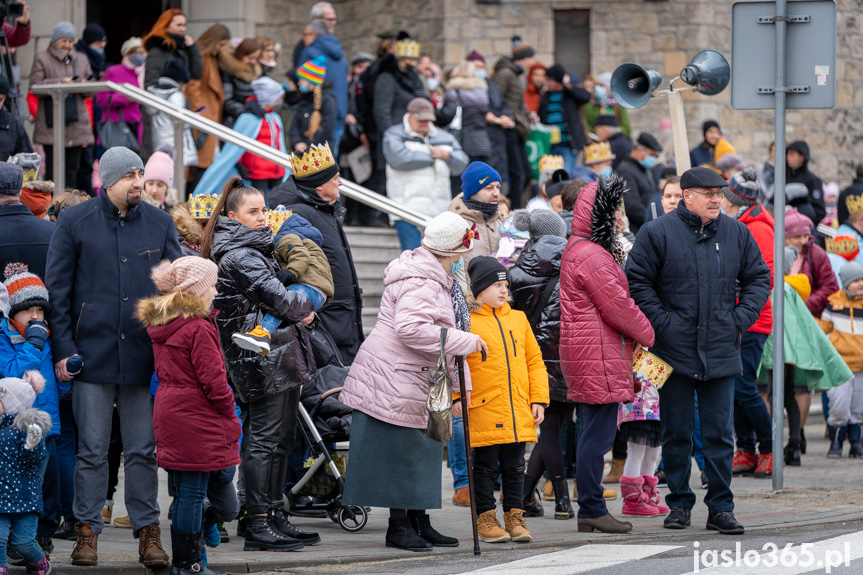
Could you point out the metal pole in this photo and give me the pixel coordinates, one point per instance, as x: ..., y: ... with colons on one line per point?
x: 179, y: 164
x: 678, y: 131
x: 59, y: 99
x: 464, y: 417
x: 779, y: 251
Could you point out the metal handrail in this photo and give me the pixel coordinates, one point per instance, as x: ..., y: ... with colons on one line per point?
x: 183, y: 116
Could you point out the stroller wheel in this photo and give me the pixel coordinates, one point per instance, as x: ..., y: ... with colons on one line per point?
x: 352, y: 518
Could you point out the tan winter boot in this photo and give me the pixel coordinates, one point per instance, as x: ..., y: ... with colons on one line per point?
x: 615, y: 472
x: 150, y: 551
x: 489, y: 528
x: 85, y: 553
x: 548, y: 491
x: 516, y: 527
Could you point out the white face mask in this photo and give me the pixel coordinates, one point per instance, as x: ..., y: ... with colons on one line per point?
x: 433, y: 84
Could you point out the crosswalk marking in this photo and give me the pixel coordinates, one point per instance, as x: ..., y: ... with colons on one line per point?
x: 578, y: 560
x: 821, y: 551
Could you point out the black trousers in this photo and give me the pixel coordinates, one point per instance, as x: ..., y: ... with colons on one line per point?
x: 506, y: 460
x: 520, y: 172
x: 269, y: 433
x: 73, y: 158
x: 789, y: 400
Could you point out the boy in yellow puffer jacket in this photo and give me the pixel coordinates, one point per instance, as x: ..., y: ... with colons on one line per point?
x: 508, y: 400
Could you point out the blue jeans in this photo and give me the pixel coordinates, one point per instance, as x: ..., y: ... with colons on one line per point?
x: 315, y: 297
x: 456, y: 455
x: 22, y: 529
x: 409, y: 235
x: 599, y: 425
x: 677, y: 398
x: 569, y: 156
x: 189, y: 507
x: 751, y: 419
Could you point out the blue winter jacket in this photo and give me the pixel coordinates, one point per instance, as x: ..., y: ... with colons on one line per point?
x: 20, y: 473
x: 300, y: 226
x: 700, y: 155
x: 337, y: 69
x: 701, y: 286
x: 18, y: 356
x: 98, y: 268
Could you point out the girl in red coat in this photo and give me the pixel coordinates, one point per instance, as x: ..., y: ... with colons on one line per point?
x: 194, y: 423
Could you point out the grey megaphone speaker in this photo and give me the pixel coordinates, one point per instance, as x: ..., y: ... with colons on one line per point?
x: 709, y: 72
x: 631, y: 84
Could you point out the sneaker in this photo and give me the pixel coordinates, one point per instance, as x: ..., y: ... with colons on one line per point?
x: 14, y: 557
x: 489, y: 528
x: 257, y: 340
x: 704, y: 482
x: 660, y: 475
x: 41, y: 567
x: 45, y: 544
x: 765, y: 466
x: 123, y: 522
x: 223, y: 533
x: 744, y: 463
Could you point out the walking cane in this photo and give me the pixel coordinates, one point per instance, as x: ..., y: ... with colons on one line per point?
x: 463, y: 399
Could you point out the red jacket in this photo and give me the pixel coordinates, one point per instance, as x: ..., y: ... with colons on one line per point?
x: 598, y: 319
x: 816, y: 266
x: 193, y: 419
x: 259, y: 168
x: 760, y: 224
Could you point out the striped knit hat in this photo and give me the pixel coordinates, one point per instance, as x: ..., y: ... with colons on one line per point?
x: 313, y: 71
x: 26, y: 290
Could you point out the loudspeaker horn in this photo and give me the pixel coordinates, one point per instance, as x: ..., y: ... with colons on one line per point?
x: 631, y: 84
x: 709, y: 72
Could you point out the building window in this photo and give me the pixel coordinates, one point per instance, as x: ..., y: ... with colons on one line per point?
x: 572, y: 40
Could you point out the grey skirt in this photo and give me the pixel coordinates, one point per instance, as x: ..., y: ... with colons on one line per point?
x: 392, y: 466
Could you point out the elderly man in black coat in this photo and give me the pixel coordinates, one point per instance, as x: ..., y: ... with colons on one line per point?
x: 314, y: 194
x: 700, y: 279
x: 23, y: 237
x: 99, y: 263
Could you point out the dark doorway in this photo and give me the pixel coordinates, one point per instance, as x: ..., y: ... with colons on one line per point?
x: 122, y: 19
x: 572, y: 40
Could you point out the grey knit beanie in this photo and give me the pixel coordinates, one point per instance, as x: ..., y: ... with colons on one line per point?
x: 743, y: 189
x: 539, y: 222
x: 63, y: 30
x: 116, y: 163
x: 850, y: 273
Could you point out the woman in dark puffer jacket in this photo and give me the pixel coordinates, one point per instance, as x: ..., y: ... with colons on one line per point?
x: 238, y: 239
x: 535, y: 285
x: 600, y: 327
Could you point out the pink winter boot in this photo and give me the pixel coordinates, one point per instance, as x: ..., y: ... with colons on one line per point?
x: 654, y: 499
x: 635, y: 500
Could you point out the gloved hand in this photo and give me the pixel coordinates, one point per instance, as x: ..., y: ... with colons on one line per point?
x: 34, y: 436
x: 242, y: 170
x: 36, y: 334
x: 287, y: 277
x: 200, y: 140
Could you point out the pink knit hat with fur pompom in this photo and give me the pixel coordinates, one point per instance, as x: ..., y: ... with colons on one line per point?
x: 191, y: 274
x: 18, y: 394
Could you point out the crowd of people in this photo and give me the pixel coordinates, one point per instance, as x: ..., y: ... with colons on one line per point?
x: 179, y: 335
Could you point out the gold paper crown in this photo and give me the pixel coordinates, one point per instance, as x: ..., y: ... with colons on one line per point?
x: 854, y: 204
x: 316, y: 159
x: 202, y: 206
x: 841, y: 245
x: 597, y: 152
x: 275, y: 218
x: 30, y: 175
x: 407, y: 48
x: 548, y: 162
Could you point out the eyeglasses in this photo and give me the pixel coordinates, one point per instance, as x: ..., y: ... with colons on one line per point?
x: 709, y: 195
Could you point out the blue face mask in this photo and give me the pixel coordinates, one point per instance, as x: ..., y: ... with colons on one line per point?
x: 137, y: 59
x: 456, y: 266
x: 481, y: 74
x: 304, y: 88
x: 606, y: 172
x: 601, y: 93
x: 97, y: 50
x: 648, y: 162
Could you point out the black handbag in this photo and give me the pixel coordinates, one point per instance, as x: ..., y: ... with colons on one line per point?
x: 117, y: 133
x: 439, y: 402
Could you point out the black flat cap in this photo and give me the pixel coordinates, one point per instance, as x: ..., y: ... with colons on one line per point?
x: 648, y: 141
x: 607, y: 120
x: 701, y: 178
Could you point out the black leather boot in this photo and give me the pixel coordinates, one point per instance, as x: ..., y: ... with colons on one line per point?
x: 261, y: 536
x: 422, y: 525
x: 532, y: 507
x: 562, y: 504
x: 279, y: 520
x: 401, y: 535
x: 792, y: 453
x: 186, y: 551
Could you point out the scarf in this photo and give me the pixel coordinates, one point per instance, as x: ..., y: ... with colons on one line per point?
x: 22, y: 329
x: 462, y: 315
x: 487, y: 210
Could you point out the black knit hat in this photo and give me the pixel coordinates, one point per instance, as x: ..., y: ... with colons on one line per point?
x: 709, y: 124
x: 94, y: 33
x: 484, y: 271
x: 556, y: 73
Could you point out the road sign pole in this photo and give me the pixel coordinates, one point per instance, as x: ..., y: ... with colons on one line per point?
x: 779, y: 251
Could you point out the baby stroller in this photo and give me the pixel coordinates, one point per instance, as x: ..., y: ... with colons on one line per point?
x: 323, y: 419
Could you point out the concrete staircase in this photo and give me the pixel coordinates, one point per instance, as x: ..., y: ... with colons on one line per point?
x: 373, y: 249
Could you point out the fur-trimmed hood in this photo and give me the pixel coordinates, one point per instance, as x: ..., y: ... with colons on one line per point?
x: 594, y: 215
x: 230, y: 65
x: 466, y: 84
x: 162, y: 309
x: 188, y: 228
